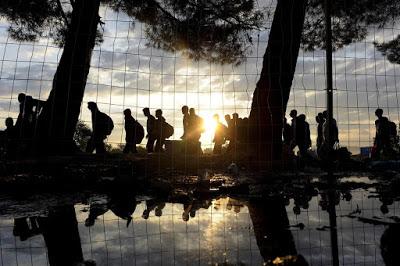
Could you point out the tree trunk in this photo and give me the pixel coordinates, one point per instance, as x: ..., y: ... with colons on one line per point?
x: 271, y: 228
x: 60, y: 114
x: 61, y: 235
x: 273, y: 88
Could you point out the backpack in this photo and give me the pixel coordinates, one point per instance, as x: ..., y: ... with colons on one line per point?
x: 109, y: 125
x: 392, y: 129
x: 168, y: 130
x: 139, y: 133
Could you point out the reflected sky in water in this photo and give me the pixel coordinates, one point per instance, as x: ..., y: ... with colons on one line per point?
x: 217, y: 231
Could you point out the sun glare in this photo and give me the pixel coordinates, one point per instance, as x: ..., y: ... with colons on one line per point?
x: 209, y: 124
x: 209, y: 128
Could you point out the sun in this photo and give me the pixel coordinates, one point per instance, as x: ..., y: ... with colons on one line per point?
x: 209, y: 128
x: 209, y: 124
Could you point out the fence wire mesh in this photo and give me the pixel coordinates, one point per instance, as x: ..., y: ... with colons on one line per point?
x: 126, y: 71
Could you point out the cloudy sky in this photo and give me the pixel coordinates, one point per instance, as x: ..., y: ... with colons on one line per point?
x: 126, y: 73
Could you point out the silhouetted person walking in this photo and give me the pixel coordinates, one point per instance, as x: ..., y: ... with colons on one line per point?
x: 219, y: 135
x: 382, y: 141
x: 160, y: 135
x: 151, y: 130
x: 10, y: 138
x: 326, y: 151
x: 196, y: 125
x: 185, y: 112
x: 303, y: 139
x: 233, y: 132
x: 196, y: 128
x: 334, y: 131
x: 29, y: 109
x: 134, y: 132
x: 102, y: 126
x: 320, y: 123
x: 293, y: 115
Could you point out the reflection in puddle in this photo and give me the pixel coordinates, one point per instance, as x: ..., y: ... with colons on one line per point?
x: 199, y: 232
x: 126, y: 230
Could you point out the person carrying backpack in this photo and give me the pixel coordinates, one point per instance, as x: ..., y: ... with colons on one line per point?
x: 303, y: 139
x: 160, y: 128
x: 195, y: 129
x: 385, y: 132
x: 219, y: 135
x: 102, y: 126
x: 151, y: 130
x: 134, y: 132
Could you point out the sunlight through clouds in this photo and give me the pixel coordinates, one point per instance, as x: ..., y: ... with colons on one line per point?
x: 126, y: 73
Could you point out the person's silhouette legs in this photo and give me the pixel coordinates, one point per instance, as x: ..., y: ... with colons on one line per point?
x: 150, y: 144
x: 130, y: 147
x: 159, y: 145
x: 96, y: 143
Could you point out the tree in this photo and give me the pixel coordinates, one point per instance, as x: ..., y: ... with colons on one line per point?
x: 215, y: 30
x: 273, y: 88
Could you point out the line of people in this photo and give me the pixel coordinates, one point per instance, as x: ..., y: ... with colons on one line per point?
x: 158, y: 130
x: 237, y: 134
x: 193, y: 128
x: 298, y: 134
x: 236, y: 131
x: 386, y: 141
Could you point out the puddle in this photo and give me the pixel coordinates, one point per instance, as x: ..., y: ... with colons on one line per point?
x: 186, y: 229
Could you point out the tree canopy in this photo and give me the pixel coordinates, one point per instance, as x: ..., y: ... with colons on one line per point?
x: 215, y: 30
x: 351, y: 20
x: 391, y: 50
x: 29, y: 20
